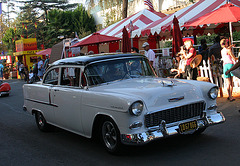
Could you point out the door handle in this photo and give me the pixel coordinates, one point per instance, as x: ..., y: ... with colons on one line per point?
x: 56, y: 90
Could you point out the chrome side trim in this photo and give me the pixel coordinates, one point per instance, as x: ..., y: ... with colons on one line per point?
x: 42, y: 102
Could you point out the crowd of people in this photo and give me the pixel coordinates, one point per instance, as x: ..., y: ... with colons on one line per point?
x: 219, y: 54
x: 36, y: 71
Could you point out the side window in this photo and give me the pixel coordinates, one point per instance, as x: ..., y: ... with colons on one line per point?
x: 52, y: 77
x: 70, y: 76
x: 83, y: 80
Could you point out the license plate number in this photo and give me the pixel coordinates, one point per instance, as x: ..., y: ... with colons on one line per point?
x: 188, y: 126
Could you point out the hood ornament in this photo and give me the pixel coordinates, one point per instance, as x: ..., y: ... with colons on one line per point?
x: 176, y: 99
x: 167, y: 83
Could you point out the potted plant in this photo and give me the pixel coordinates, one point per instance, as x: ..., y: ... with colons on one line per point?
x: 6, y: 70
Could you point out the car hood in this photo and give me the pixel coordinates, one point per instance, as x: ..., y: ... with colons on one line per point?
x: 156, y: 92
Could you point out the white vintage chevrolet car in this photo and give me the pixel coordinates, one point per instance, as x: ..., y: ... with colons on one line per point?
x: 119, y: 98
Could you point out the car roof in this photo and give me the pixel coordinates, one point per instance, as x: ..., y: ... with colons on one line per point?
x: 84, y: 60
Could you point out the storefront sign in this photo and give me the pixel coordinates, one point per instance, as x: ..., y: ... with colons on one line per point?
x: 26, y: 44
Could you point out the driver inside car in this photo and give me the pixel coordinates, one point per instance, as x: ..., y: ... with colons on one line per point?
x: 135, y: 68
x: 113, y: 73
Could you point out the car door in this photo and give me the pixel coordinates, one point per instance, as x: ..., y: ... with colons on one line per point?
x: 45, y: 94
x: 67, y: 97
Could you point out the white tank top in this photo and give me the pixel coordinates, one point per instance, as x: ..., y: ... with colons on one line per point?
x: 227, y: 59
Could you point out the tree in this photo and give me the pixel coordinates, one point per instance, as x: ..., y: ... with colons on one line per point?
x: 8, y: 39
x: 66, y: 23
x: 125, y: 8
x: 3, y: 29
x: 47, y: 5
x: 10, y: 10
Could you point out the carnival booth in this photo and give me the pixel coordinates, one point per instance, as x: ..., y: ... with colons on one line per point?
x: 26, y: 52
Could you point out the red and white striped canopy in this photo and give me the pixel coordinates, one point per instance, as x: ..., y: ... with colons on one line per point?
x: 139, y: 20
x: 187, y: 14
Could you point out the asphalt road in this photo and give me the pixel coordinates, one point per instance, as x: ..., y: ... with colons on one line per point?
x: 22, y: 144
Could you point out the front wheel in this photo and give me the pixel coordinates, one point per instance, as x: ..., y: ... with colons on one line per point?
x: 110, y: 136
x: 199, y: 131
x: 41, y: 122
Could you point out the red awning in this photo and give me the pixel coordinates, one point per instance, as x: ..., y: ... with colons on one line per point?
x: 226, y: 13
x: 96, y: 38
x: 45, y: 52
x: 184, y: 15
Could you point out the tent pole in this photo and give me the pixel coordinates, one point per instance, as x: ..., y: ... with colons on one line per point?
x: 230, y: 29
x: 131, y: 39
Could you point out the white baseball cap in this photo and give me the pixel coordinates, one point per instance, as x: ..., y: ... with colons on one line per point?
x: 145, y: 44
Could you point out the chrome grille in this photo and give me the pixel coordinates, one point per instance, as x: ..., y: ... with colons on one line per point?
x: 175, y: 114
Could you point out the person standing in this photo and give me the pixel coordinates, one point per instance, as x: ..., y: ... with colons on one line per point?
x: 189, y: 54
x: 1, y: 71
x: 134, y: 50
x: 215, y: 49
x: 234, y: 67
x: 204, y: 54
x: 150, y: 54
x: 46, y: 63
x: 201, y: 47
x: 40, y: 68
x: 18, y: 66
x: 228, y: 62
x: 21, y: 68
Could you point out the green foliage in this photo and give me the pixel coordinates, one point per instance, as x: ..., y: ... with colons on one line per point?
x: 61, y: 23
x: 6, y: 69
x: 168, y: 44
x: 209, y: 38
x: 8, y: 38
x: 236, y: 37
x: 66, y: 23
x: 46, y: 5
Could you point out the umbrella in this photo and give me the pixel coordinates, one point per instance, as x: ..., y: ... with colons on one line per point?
x: 177, y: 37
x: 126, y: 45
x: 96, y: 38
x: 227, y: 13
x: 45, y: 52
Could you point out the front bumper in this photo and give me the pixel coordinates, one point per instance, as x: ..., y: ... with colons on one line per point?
x: 163, y: 131
x: 4, y: 93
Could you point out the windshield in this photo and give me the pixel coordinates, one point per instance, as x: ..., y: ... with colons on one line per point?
x: 103, y: 72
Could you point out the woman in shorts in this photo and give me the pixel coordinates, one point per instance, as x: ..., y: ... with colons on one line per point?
x: 228, y: 62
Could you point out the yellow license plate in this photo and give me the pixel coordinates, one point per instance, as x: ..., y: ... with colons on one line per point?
x: 188, y: 126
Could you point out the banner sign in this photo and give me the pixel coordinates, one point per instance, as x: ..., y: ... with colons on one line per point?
x: 26, y: 44
x: 31, y: 52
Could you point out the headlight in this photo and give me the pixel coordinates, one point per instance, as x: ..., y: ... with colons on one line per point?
x: 213, y: 93
x: 136, y: 108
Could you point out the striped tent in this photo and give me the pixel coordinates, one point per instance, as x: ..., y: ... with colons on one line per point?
x: 187, y: 14
x: 139, y: 20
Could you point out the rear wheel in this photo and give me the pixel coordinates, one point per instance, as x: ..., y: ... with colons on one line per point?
x: 110, y: 136
x: 41, y: 122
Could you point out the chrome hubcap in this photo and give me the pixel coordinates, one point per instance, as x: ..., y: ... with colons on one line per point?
x: 109, y: 135
x: 40, y: 120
